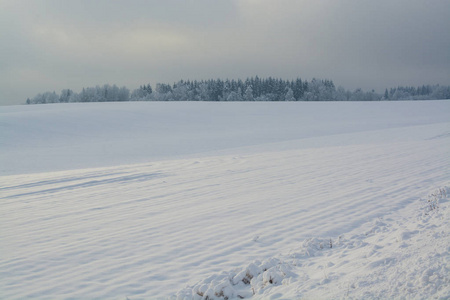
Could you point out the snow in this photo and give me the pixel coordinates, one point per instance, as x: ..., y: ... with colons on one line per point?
x: 403, y: 256
x: 225, y: 200
x: 41, y: 138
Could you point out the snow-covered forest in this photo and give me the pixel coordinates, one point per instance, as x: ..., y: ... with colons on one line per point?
x: 251, y: 89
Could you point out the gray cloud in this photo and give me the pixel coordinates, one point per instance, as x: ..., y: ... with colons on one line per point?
x: 51, y: 45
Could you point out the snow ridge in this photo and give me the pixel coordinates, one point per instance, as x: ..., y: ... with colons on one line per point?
x: 406, y: 256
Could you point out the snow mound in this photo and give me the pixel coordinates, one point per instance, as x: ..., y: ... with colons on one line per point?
x: 399, y: 256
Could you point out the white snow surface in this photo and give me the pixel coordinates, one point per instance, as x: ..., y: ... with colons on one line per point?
x: 332, y: 200
x: 40, y: 138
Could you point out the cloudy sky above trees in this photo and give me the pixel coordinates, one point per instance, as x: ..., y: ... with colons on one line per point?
x: 49, y: 45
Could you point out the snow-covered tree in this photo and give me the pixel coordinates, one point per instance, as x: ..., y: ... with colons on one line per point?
x: 181, y: 91
x: 202, y: 92
x: 143, y: 93
x: 441, y: 92
x: 235, y: 96
x: 47, y: 97
x: 289, y: 96
x: 65, y: 95
x: 341, y: 94
x: 248, y: 94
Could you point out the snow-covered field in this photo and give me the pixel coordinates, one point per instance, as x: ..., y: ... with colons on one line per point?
x: 225, y: 200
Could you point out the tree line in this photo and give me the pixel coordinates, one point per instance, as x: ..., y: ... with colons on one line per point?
x: 251, y: 89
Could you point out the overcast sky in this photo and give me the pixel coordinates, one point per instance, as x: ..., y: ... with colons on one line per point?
x: 50, y: 45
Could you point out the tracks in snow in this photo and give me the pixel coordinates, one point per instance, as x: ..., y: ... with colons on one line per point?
x: 145, y: 230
